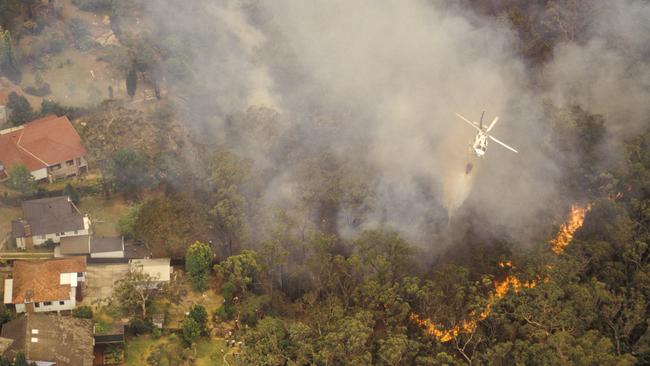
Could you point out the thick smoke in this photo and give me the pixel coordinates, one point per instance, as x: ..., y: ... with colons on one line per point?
x: 609, y: 72
x: 377, y: 84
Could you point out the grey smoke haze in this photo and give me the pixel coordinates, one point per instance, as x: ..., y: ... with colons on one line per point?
x: 377, y: 84
x: 608, y: 73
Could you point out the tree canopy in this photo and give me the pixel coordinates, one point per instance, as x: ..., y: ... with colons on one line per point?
x: 198, y: 263
x: 168, y: 225
x: 22, y: 180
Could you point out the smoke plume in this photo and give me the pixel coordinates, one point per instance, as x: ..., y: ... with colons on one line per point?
x: 377, y: 85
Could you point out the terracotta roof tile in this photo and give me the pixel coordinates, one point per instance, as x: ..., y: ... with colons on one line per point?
x: 43, y: 142
x: 42, y: 279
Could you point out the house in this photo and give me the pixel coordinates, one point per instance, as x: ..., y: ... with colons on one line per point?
x: 159, y: 269
x: 48, y: 219
x: 45, y: 285
x: 51, y: 340
x: 95, y: 247
x: 49, y: 147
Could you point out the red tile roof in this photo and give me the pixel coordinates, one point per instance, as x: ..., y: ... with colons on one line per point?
x: 42, y: 279
x: 46, y: 141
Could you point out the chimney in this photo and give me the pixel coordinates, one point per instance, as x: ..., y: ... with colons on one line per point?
x: 28, y: 295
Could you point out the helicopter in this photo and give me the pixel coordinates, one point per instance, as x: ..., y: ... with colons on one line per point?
x: 481, y: 140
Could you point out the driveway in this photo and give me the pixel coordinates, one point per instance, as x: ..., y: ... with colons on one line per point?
x: 100, y: 279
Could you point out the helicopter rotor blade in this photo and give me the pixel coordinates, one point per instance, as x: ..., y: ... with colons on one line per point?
x: 473, y: 124
x: 502, y: 144
x: 494, y: 122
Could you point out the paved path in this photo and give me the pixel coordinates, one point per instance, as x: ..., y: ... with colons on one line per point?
x: 100, y: 279
x: 26, y: 255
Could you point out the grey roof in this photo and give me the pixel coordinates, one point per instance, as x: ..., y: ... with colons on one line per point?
x: 75, y: 244
x: 64, y: 340
x: 108, y: 244
x: 52, y: 215
x: 17, y: 228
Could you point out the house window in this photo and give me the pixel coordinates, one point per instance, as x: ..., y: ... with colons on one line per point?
x: 47, y: 303
x: 55, y: 167
x: 37, y: 305
x: 57, y: 234
x: 62, y: 234
x: 80, y: 274
x: 69, y: 162
x: 61, y: 302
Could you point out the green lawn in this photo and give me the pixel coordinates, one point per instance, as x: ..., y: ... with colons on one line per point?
x: 76, y: 78
x: 104, y: 214
x: 210, y: 299
x: 6, y: 215
x: 138, y: 349
x: 208, y: 352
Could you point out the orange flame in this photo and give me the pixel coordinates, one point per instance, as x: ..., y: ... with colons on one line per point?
x: 444, y: 335
x: 501, y: 288
x: 565, y: 234
x: 504, y: 264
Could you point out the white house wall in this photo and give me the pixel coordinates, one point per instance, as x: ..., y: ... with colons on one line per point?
x: 41, y: 239
x: 68, y: 304
x: 116, y: 254
x: 40, y: 173
x: 20, y: 243
x: 56, y: 306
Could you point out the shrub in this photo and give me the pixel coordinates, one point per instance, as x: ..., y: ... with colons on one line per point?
x: 85, y: 312
x: 94, y: 5
x: 53, y: 42
x: 200, y: 316
x: 39, y: 91
x: 78, y: 28
x: 139, y: 326
x: 126, y: 222
x: 20, y: 109
x: 21, y: 180
x: 5, y: 314
x: 198, y: 260
x: 101, y: 327
x: 190, y: 331
x: 224, y: 312
x: 114, y: 354
x: 86, y: 44
x: 71, y: 192
x: 53, y: 107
